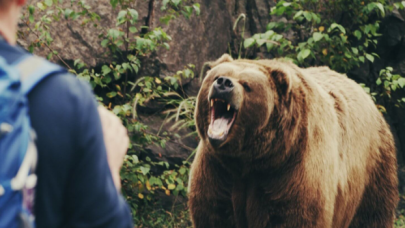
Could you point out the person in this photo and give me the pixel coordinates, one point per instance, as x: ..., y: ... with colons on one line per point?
x: 81, y: 147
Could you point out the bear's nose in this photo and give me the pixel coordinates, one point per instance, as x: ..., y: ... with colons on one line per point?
x: 223, y: 85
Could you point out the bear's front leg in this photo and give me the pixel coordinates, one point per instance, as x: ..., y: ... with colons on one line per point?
x: 281, y: 202
x: 285, y: 214
x: 211, y: 213
x: 209, y: 194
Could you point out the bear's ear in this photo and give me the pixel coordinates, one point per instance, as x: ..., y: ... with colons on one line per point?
x: 224, y: 58
x: 209, y: 65
x: 282, y: 80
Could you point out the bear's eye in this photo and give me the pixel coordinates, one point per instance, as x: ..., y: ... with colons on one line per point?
x: 246, y: 86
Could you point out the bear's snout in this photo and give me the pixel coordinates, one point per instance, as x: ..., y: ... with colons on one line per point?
x: 222, y: 88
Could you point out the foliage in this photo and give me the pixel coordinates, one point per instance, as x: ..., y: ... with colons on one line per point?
x: 129, y: 43
x: 389, y: 83
x: 400, y: 221
x: 311, y: 36
x: 320, y: 40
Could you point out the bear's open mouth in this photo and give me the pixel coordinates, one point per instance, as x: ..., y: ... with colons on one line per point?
x: 223, y: 116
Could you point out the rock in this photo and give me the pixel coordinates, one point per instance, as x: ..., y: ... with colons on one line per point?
x: 176, y: 150
x: 198, y: 39
x: 71, y: 39
x: 195, y: 40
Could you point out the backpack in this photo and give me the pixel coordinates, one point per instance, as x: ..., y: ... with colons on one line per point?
x: 18, y: 154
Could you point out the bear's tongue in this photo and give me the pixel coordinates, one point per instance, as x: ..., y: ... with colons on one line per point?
x: 221, y: 119
x: 220, y: 125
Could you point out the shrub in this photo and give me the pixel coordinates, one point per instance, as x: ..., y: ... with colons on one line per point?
x: 310, y: 35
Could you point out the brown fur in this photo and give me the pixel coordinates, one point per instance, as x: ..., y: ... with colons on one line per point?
x: 308, y: 149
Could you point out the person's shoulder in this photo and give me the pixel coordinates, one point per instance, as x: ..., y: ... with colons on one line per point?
x: 65, y: 83
x: 63, y: 95
x: 12, y: 53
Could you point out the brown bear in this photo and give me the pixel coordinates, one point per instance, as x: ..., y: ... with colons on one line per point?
x: 286, y: 147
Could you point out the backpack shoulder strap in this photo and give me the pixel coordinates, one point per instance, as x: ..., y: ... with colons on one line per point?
x: 34, y: 69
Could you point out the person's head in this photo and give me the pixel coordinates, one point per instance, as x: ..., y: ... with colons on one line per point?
x: 9, y: 14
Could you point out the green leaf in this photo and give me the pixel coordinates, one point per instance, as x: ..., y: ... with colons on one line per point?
x: 145, y: 170
x: 105, y: 70
x: 113, y: 33
x: 401, y: 82
x: 133, y: 29
x: 357, y: 34
x: 260, y: 42
x: 370, y: 57
x: 340, y: 27
x: 116, y: 75
x: 196, y: 7
x: 31, y: 9
x: 269, y: 46
x: 366, y: 89
x: 67, y: 13
x: 366, y: 29
x: 49, y: 56
x: 119, y: 43
x: 121, y: 16
x: 361, y: 58
x: 182, y: 170
x: 135, y: 67
x: 307, y: 16
x: 41, y: 6
x: 107, y: 79
x: 386, y: 84
x: 134, y: 15
x: 267, y: 35
x: 317, y: 36
x: 355, y: 50
x: 104, y: 43
x: 76, y: 62
x: 316, y: 18
x: 48, y: 2
x: 299, y: 13
x: 113, y: 3
x: 378, y: 82
x: 303, y: 54
x: 111, y: 94
x: 249, y: 42
x: 381, y: 8
x: 171, y: 186
x: 271, y: 25
x: 176, y: 2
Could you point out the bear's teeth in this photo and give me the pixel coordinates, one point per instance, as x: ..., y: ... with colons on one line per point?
x: 228, y: 107
x: 212, y: 102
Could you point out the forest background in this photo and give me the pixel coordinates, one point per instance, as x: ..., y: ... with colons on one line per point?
x: 145, y: 60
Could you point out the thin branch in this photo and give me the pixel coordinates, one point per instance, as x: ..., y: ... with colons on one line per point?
x: 52, y: 51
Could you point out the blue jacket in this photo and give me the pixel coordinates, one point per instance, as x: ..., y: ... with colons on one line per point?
x: 75, y: 186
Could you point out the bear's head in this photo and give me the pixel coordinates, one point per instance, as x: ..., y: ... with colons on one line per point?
x: 237, y: 101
